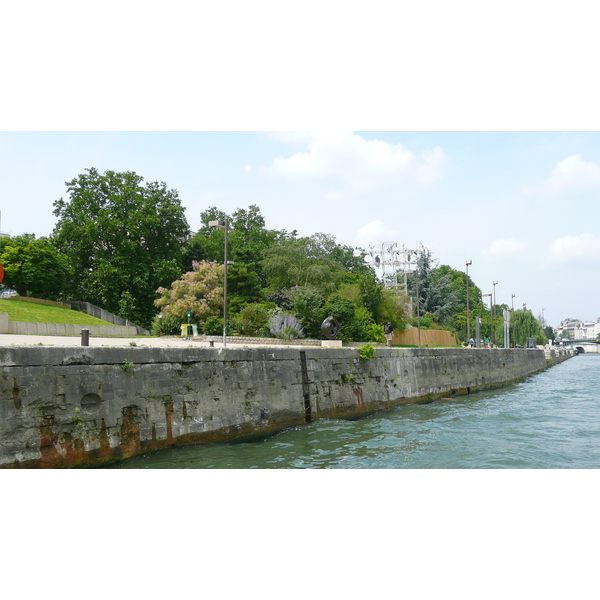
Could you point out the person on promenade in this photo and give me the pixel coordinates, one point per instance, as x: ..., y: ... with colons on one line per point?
x: 389, y: 333
x: 471, y: 342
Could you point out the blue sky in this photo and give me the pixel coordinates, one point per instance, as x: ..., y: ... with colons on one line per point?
x: 523, y: 206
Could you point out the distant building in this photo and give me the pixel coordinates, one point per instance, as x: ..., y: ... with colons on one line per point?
x: 579, y: 330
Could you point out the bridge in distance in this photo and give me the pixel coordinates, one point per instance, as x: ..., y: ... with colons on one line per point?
x: 584, y: 346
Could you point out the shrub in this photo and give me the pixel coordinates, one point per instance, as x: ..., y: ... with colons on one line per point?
x: 166, y: 325
x: 344, y: 311
x: 253, y: 319
x: 306, y: 304
x: 213, y: 326
x: 375, y: 333
x: 285, y: 327
x: 366, y: 352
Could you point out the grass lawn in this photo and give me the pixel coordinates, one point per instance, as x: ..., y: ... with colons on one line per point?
x: 29, y: 312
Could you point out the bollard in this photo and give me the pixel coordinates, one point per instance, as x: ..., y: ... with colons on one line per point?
x: 212, y: 343
x: 85, y: 337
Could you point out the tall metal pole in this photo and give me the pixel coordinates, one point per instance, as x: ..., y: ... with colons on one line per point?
x: 225, y: 286
x: 223, y: 225
x: 491, y: 324
x: 469, y: 262
x: 512, y: 334
x: 418, y: 308
x: 494, y: 330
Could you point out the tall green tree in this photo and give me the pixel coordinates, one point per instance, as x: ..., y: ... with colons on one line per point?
x: 123, y: 238
x: 247, y: 239
x: 34, y: 267
x: 303, y: 261
x: 435, y: 294
x: 523, y: 324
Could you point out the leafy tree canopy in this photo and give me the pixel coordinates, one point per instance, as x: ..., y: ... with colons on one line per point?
x: 34, y: 267
x: 199, y: 291
x: 123, y: 238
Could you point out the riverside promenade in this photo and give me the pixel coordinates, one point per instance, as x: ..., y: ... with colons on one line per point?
x: 117, y: 342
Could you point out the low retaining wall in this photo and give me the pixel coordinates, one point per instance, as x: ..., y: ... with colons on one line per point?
x: 22, y: 328
x: 86, y: 405
x: 104, y: 315
x: 89, y: 309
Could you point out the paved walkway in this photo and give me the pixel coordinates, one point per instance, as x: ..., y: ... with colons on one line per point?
x: 7, y: 339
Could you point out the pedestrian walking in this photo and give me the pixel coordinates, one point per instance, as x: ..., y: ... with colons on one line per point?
x: 389, y: 333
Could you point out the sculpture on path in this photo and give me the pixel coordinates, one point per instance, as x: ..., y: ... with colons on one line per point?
x: 330, y: 327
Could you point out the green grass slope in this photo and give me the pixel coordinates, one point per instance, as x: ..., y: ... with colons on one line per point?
x: 30, y: 312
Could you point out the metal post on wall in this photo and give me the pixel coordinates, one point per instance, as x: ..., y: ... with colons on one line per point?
x: 469, y: 262
x: 223, y: 225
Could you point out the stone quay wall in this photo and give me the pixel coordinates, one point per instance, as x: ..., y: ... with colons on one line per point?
x: 85, y: 406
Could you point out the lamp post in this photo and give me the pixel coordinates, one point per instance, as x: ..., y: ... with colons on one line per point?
x: 469, y: 262
x: 485, y: 296
x: 223, y: 225
x: 494, y: 328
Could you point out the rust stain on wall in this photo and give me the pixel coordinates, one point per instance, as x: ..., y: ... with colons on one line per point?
x: 130, y: 432
x: 359, y: 396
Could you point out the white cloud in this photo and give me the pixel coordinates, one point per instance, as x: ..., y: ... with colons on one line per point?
x: 334, y: 196
x: 358, y: 163
x: 375, y: 232
x: 575, y: 247
x: 293, y: 137
x: 571, y: 173
x: 503, y: 249
x: 247, y: 168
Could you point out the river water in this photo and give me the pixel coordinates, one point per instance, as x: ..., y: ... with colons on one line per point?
x: 550, y: 420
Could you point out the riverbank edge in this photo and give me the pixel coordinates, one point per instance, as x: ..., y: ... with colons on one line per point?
x: 84, y: 406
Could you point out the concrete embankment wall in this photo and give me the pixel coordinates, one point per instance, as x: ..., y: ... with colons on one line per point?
x: 87, y: 405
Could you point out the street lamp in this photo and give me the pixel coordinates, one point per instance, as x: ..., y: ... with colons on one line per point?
x: 494, y: 328
x: 223, y: 225
x: 469, y: 262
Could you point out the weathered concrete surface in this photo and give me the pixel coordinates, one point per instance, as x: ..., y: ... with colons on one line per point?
x: 81, y: 406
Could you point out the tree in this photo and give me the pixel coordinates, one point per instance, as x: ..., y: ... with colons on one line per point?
x: 303, y: 261
x: 435, y: 295
x: 247, y: 239
x: 123, y: 239
x: 523, y: 325
x: 455, y: 317
x: 199, y: 291
x: 34, y: 267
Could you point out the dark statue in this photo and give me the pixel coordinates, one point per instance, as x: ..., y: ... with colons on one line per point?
x: 330, y: 327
